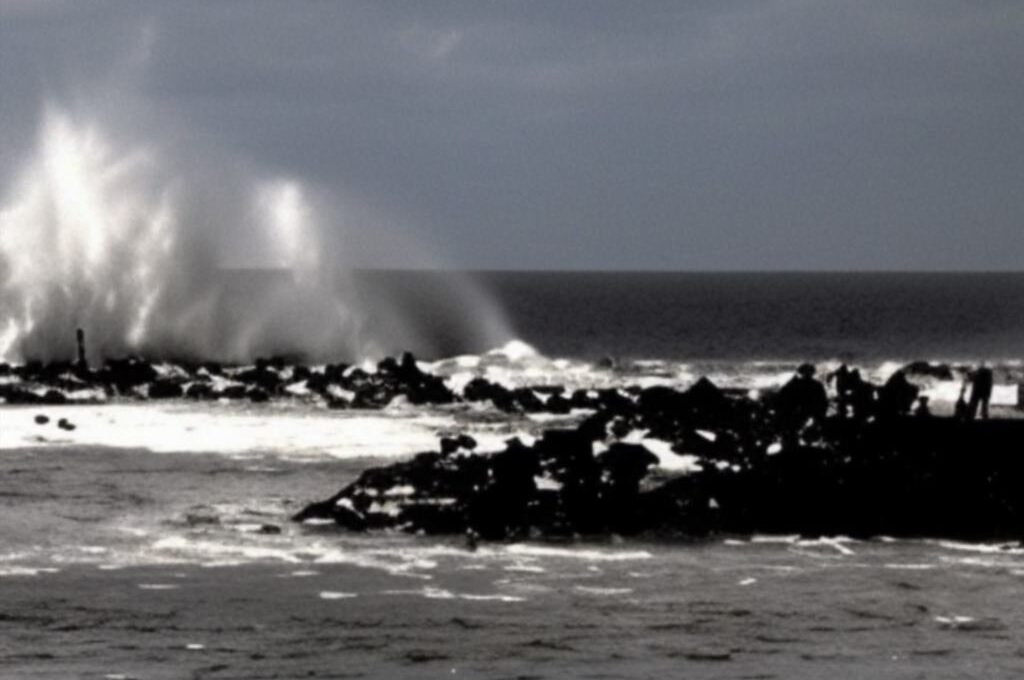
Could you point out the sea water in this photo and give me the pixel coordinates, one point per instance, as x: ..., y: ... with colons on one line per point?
x: 153, y: 541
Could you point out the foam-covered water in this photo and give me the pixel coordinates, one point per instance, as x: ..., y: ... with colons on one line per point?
x: 178, y: 514
x: 162, y: 531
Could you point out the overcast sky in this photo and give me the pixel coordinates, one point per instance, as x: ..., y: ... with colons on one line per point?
x: 718, y: 134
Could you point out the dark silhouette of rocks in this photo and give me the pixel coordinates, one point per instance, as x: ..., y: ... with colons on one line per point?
x: 876, y: 461
x: 885, y: 473
x: 929, y: 370
x: 165, y: 389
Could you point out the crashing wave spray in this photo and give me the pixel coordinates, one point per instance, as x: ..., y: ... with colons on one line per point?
x: 108, y: 238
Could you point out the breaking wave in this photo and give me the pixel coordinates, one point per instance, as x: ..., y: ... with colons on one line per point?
x: 134, y: 244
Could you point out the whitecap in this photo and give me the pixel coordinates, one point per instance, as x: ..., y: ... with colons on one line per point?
x: 577, y: 553
x: 336, y: 595
x: 597, y: 590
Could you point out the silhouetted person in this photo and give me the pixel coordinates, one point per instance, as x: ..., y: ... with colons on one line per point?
x: 922, y: 410
x: 897, y: 396
x: 801, y: 399
x: 80, y: 338
x: 981, y: 392
x: 960, y: 410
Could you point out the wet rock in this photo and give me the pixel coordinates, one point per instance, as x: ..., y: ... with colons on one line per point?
x: 262, y: 377
x: 891, y: 476
x: 929, y: 370
x: 165, y: 389
x: 257, y: 395
x: 480, y: 389
x: 200, y: 391
x: 450, y: 445
x: 212, y: 368
x: 126, y: 374
x: 558, y: 405
x: 53, y: 397
x: 233, y: 392
x: 318, y: 383
x: 372, y: 397
x: 14, y: 395
x: 337, y: 403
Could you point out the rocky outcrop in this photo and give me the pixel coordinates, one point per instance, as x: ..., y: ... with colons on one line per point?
x: 337, y: 385
x: 757, y: 469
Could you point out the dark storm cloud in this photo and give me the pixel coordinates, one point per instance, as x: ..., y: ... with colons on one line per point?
x: 758, y: 134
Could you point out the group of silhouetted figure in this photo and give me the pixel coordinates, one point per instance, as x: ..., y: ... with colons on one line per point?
x: 805, y: 398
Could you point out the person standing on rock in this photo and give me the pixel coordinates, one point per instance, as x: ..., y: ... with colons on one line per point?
x: 960, y: 410
x: 802, y: 400
x: 981, y: 392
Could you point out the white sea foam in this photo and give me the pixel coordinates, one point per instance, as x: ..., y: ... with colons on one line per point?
x: 909, y: 566
x: 589, y: 554
x: 836, y: 543
x: 432, y: 593
x: 669, y: 460
x: 335, y: 595
x: 983, y: 548
x: 290, y: 433
x: 17, y: 570
x: 476, y: 597
x: 596, y: 590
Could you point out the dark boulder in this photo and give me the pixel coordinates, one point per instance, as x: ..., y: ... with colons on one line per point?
x: 126, y: 374
x: 233, y: 392
x: 929, y: 370
x: 257, y: 395
x: 14, y: 395
x: 165, y: 389
x: 450, y: 445
x: 53, y: 397
x: 200, y: 391
x: 263, y: 377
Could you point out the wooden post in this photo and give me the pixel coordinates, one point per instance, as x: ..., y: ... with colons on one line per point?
x: 80, y: 336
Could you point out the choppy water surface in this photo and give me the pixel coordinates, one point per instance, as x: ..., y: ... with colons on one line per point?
x: 122, y: 563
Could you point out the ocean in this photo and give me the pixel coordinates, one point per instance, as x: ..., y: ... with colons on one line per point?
x: 153, y: 541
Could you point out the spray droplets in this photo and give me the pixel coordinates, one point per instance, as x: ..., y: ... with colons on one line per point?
x: 108, y: 238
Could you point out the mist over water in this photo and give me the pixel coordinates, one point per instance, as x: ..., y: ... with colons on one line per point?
x: 140, y: 246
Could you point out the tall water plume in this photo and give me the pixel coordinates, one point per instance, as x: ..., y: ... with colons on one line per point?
x: 132, y: 242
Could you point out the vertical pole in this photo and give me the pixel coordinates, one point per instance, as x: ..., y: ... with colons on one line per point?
x: 80, y: 336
